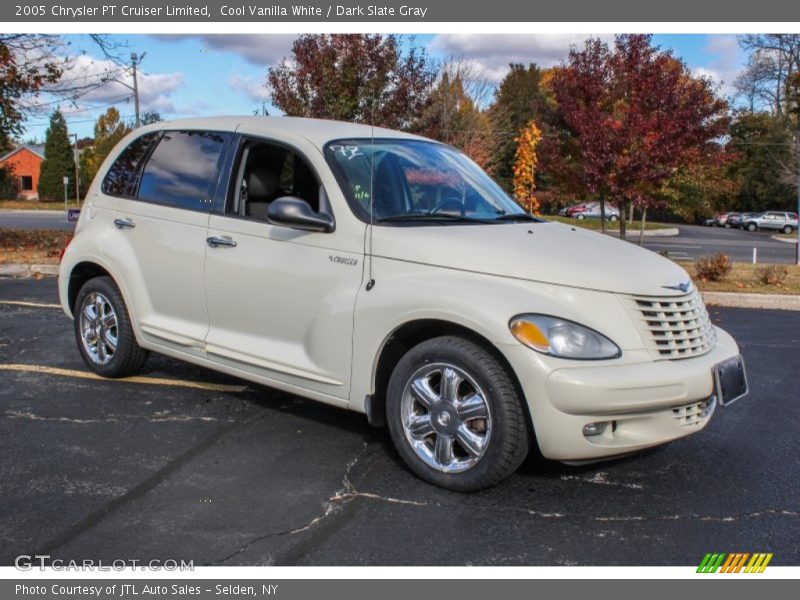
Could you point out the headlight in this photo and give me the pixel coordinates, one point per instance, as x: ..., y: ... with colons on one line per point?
x: 562, y: 338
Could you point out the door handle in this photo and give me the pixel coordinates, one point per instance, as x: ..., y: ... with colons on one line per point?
x: 124, y: 223
x: 216, y: 241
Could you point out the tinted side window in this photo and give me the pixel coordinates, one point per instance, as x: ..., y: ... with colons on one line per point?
x: 181, y: 171
x: 121, y: 177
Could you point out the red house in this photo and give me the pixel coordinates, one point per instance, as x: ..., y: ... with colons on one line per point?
x: 25, y: 162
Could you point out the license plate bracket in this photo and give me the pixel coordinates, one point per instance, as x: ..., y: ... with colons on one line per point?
x: 730, y: 380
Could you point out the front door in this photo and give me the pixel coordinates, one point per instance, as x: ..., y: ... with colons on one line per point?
x: 280, y: 301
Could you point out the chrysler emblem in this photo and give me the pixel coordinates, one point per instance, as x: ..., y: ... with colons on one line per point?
x: 681, y: 287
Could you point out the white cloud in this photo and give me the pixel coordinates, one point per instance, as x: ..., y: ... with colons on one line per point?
x: 491, y: 54
x: 107, y: 83
x: 254, y: 89
x: 257, y: 49
x: 725, y: 61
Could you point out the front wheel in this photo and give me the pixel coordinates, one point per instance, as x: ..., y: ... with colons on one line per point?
x: 455, y: 416
x: 613, y: 218
x: 103, y: 330
x: 580, y: 217
x: 752, y: 227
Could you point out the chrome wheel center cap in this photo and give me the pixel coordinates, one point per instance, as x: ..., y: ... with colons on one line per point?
x: 443, y: 419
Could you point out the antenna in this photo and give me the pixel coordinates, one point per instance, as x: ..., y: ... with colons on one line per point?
x: 371, y: 280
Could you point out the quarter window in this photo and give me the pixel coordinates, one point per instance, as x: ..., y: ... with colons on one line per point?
x: 121, y: 177
x: 181, y: 171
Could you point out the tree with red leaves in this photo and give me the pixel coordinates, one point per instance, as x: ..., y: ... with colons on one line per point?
x: 361, y: 78
x: 638, y: 116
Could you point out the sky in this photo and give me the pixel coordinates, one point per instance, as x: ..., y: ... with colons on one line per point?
x: 215, y: 74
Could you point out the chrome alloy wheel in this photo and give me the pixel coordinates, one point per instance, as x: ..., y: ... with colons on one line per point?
x: 98, y: 327
x: 446, y: 417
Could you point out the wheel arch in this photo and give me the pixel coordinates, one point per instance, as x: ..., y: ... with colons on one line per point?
x: 409, y: 334
x: 79, y: 275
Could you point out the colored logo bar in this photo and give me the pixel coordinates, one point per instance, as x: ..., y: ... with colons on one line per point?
x: 736, y: 562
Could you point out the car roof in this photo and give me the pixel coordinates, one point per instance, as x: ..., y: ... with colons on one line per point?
x: 318, y: 131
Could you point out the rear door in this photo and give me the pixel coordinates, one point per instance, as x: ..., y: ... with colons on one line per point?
x: 159, y: 237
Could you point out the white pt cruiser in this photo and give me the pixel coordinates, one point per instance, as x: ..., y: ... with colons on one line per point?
x: 388, y: 274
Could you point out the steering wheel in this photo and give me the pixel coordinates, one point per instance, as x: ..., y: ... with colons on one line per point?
x: 453, y: 201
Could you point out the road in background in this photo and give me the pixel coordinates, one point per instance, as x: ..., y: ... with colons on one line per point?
x: 695, y: 241
x: 233, y: 473
x: 35, y: 219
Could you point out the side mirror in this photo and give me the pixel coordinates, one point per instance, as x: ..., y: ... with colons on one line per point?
x: 297, y: 213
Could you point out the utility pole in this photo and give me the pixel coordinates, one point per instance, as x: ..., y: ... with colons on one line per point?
x: 135, y: 61
x: 797, y: 248
x: 77, y: 181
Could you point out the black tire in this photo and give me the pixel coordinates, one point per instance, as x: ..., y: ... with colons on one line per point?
x: 580, y: 217
x: 128, y: 357
x: 788, y: 229
x: 508, y: 442
x: 752, y: 227
x: 613, y: 218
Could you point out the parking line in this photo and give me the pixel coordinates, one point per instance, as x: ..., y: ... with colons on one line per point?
x: 29, y: 304
x: 198, y: 385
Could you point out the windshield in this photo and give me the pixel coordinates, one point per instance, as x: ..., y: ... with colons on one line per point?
x: 417, y: 181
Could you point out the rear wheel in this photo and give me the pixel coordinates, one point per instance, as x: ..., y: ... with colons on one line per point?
x: 613, y: 218
x: 103, y: 330
x: 752, y: 227
x: 455, y: 415
x: 788, y: 229
x: 580, y: 217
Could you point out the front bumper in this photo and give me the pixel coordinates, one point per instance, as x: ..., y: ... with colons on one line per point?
x: 644, y: 403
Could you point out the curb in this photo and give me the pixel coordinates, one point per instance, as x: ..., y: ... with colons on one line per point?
x: 631, y: 234
x: 33, y: 211
x: 732, y: 299
x: 17, y: 270
x: 659, y: 232
x: 784, y: 240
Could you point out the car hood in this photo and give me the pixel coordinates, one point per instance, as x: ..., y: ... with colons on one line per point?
x: 545, y: 252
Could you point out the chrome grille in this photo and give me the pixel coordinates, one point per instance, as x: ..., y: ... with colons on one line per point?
x: 674, y: 326
x: 695, y: 413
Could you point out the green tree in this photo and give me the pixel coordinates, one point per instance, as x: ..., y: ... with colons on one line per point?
x: 521, y: 98
x: 58, y: 160
x: 151, y: 117
x: 362, y: 78
x: 764, y: 163
x: 8, y: 184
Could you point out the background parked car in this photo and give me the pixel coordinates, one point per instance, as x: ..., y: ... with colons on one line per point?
x: 773, y: 220
x: 733, y: 220
x: 590, y: 210
x: 736, y: 219
x: 721, y: 219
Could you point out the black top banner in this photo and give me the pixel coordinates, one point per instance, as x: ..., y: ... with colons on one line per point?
x: 433, y: 11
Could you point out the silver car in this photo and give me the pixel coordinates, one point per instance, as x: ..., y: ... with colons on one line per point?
x: 772, y: 220
x: 591, y: 210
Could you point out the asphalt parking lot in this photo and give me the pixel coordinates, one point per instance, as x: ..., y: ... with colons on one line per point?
x: 227, y: 472
x: 694, y: 241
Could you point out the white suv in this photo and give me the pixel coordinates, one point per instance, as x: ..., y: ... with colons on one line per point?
x: 387, y: 274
